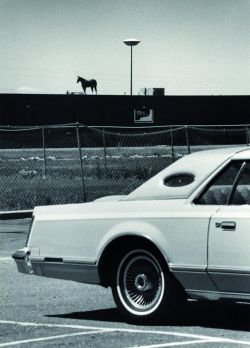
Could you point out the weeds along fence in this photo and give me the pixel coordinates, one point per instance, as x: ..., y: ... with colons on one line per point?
x: 75, y: 163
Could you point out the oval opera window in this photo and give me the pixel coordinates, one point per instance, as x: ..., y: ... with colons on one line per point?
x: 178, y: 180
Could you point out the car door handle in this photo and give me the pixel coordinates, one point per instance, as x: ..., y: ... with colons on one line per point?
x: 228, y: 225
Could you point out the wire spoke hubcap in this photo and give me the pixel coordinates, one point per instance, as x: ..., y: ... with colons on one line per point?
x: 140, y: 282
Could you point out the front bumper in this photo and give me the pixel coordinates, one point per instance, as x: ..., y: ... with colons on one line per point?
x: 21, y: 258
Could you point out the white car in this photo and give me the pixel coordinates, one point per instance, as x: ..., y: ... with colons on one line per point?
x: 185, y: 233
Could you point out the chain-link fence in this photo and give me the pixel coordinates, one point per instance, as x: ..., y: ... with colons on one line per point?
x: 75, y: 163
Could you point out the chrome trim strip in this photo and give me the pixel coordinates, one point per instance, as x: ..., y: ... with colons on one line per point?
x: 79, y: 261
x: 229, y: 270
x: 49, y: 259
x: 209, y: 270
x: 217, y: 295
x: 176, y: 268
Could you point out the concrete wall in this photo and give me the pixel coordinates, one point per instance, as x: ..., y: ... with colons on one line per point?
x: 114, y: 110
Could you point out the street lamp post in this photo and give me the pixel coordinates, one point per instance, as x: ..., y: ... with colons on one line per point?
x: 131, y: 43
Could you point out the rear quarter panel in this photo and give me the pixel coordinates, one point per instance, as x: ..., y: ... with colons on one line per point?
x: 178, y: 230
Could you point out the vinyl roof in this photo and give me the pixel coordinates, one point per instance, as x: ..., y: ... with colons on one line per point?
x: 199, y: 164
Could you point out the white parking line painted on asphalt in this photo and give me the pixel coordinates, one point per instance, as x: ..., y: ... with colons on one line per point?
x: 48, y: 338
x: 187, y: 335
x: 173, y: 344
x: 185, y: 343
x: 155, y: 332
x: 13, y: 229
x: 6, y: 258
x: 80, y: 327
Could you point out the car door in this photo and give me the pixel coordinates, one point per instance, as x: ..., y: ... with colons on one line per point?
x: 229, y: 238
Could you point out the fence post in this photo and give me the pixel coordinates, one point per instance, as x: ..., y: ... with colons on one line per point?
x: 247, y: 136
x: 187, y: 139
x: 104, y: 150
x: 172, y: 144
x: 44, y: 155
x: 80, y: 158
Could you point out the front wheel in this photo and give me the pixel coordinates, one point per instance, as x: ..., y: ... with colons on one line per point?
x: 142, y: 288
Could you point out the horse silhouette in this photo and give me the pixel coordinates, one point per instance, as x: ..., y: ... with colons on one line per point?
x: 87, y: 83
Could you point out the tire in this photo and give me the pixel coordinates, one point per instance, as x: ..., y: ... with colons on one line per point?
x: 143, y: 289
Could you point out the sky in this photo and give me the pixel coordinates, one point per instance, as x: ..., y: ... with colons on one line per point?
x: 188, y: 47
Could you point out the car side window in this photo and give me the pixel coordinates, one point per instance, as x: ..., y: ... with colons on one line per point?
x: 241, y: 194
x: 218, y: 191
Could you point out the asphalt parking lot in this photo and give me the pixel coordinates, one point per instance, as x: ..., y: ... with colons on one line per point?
x: 39, y: 312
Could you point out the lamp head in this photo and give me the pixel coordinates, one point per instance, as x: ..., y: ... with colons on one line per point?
x: 131, y: 42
